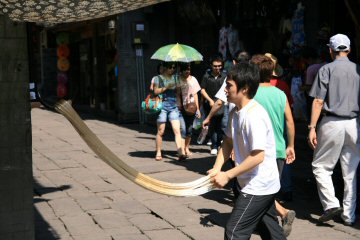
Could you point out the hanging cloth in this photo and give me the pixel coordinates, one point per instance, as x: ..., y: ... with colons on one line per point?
x: 298, y: 33
x: 222, y: 41
x: 233, y: 40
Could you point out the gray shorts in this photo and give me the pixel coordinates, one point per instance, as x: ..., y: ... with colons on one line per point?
x: 280, y: 164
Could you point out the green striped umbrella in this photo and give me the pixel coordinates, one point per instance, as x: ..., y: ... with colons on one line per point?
x: 177, y: 53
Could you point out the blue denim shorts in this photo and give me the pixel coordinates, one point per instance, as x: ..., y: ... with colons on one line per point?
x: 173, y: 114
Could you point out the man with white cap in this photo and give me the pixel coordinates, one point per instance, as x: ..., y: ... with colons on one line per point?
x: 337, y: 136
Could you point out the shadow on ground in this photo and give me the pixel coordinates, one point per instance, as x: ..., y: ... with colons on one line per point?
x: 43, y: 229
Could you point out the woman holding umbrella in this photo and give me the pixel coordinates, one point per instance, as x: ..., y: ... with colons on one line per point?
x: 165, y: 84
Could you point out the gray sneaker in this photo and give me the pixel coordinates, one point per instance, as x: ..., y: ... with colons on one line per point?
x: 287, y: 222
x: 330, y: 213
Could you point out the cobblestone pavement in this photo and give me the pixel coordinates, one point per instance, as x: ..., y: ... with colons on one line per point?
x: 78, y: 196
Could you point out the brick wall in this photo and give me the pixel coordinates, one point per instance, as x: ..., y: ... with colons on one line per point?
x: 16, y: 208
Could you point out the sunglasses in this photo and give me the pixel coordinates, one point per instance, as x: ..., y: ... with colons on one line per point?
x: 171, y: 67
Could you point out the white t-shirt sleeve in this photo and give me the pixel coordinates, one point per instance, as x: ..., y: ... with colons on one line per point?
x: 221, y: 93
x: 256, y: 129
x: 195, y: 85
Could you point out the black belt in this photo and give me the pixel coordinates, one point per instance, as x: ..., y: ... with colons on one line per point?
x: 329, y: 114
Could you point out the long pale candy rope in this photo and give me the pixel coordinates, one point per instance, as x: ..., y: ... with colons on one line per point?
x: 194, y: 188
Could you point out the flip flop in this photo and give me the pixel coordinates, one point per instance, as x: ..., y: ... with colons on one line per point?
x: 158, y: 158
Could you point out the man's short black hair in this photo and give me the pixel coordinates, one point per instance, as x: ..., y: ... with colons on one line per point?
x: 216, y: 58
x: 241, y: 56
x: 245, y: 74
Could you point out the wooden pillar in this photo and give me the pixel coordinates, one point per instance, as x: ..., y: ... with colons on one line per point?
x: 16, y: 189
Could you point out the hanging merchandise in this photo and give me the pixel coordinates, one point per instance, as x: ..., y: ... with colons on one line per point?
x: 61, y: 90
x: 222, y: 41
x: 63, y: 51
x: 63, y: 64
x: 233, y: 40
x: 299, y: 106
x: 229, y: 42
x: 62, y: 78
x: 261, y: 14
x: 62, y: 38
x: 298, y: 33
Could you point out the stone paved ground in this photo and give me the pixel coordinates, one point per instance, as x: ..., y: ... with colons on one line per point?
x: 78, y: 196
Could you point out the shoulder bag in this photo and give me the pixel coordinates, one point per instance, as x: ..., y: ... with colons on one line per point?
x: 152, y: 103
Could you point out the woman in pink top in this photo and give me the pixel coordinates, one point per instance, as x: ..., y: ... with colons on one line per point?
x: 189, y: 88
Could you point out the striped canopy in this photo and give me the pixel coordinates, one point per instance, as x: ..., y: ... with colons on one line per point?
x: 62, y: 11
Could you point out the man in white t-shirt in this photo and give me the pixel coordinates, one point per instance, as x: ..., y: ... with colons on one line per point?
x: 251, y: 135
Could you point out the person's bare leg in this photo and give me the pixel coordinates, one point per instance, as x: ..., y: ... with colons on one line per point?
x: 287, y: 217
x: 187, y: 146
x: 159, y: 136
x: 175, y: 124
x: 281, y: 211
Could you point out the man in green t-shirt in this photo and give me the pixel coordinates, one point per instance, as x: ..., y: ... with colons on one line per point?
x: 275, y: 103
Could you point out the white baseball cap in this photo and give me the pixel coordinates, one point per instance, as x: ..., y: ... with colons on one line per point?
x: 339, y: 43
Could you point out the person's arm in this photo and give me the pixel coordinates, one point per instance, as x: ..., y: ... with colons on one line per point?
x: 196, y: 99
x: 157, y: 88
x: 222, y: 157
x: 317, y: 106
x: 215, y: 108
x: 179, y: 97
x: 290, y: 127
x: 152, y: 84
x: 206, y: 96
x: 254, y: 159
x: 257, y: 129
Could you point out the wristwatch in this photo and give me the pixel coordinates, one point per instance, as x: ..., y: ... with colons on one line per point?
x: 311, y: 126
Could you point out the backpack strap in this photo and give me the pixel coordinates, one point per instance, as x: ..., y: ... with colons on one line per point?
x: 161, y: 81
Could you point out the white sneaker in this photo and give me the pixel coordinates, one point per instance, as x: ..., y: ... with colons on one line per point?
x: 209, y: 143
x: 213, y: 151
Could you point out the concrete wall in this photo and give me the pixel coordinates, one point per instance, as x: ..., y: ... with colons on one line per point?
x: 132, y: 67
x: 127, y: 82
x: 16, y: 208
